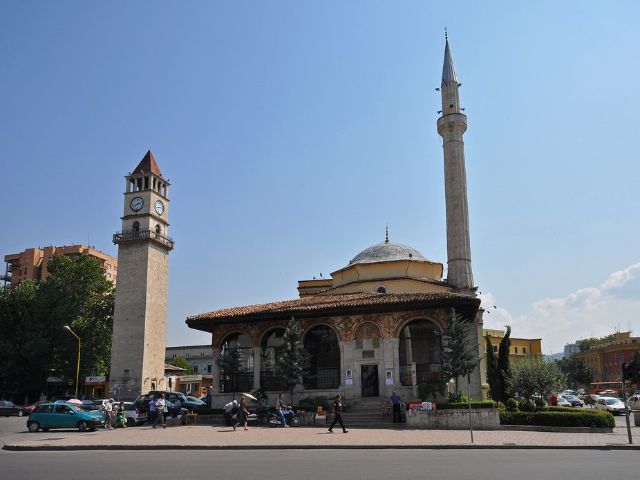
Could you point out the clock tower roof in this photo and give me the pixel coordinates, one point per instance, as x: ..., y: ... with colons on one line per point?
x: 148, y: 165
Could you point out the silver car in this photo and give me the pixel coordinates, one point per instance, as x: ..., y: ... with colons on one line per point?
x: 611, y: 405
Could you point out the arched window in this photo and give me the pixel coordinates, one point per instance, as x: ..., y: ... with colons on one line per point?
x: 420, y: 353
x: 135, y: 229
x: 158, y: 230
x: 381, y: 290
x: 237, y: 345
x: 271, y: 344
x: 323, y: 369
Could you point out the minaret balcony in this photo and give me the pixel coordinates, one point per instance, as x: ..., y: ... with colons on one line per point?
x: 143, y: 235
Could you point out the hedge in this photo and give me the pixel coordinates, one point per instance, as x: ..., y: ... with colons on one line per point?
x: 552, y: 408
x: 559, y: 419
x: 465, y: 405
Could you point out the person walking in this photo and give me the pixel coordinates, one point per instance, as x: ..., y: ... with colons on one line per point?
x: 152, y: 412
x: 160, y: 407
x: 230, y: 409
x: 337, y: 414
x: 243, y: 413
x: 395, y: 405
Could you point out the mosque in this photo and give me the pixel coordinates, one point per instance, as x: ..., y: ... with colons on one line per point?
x: 376, y: 324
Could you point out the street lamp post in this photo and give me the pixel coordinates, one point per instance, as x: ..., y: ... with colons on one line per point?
x: 78, y: 363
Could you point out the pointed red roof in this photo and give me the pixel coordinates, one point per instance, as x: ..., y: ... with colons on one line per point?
x: 148, y: 165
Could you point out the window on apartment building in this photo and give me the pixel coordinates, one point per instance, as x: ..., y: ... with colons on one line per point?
x: 524, y: 349
x: 209, y: 367
x: 515, y: 349
x: 195, y: 368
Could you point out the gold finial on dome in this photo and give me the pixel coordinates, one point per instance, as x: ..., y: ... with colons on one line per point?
x: 386, y: 234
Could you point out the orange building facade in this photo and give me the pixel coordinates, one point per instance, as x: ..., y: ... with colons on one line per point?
x: 31, y: 264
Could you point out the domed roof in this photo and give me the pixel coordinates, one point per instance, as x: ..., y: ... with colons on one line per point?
x: 387, y: 252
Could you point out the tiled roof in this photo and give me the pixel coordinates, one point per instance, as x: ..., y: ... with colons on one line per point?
x: 327, y: 304
x: 148, y: 165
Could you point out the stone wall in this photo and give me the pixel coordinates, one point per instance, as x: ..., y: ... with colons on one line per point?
x: 482, y: 418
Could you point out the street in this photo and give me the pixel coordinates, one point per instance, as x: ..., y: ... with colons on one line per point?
x: 323, y: 464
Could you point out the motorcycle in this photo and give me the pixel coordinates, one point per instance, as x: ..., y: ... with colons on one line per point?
x: 291, y: 417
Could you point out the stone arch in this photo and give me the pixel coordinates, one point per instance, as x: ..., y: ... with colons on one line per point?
x: 270, y: 343
x: 321, y: 342
x: 367, y: 330
x: 420, y: 349
x: 243, y: 380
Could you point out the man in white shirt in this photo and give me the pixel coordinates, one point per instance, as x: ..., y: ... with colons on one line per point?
x: 160, y: 411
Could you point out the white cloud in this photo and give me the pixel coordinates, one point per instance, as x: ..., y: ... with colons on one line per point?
x: 592, y: 311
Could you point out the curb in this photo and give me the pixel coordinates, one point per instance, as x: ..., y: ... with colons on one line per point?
x: 56, y: 448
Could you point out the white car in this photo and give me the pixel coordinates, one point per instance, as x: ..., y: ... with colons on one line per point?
x: 563, y: 402
x: 611, y: 404
x: 634, y: 401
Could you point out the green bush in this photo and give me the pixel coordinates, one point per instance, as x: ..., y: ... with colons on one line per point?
x: 474, y: 404
x: 501, y: 407
x: 553, y: 408
x: 457, y: 397
x: 527, y: 405
x: 539, y: 403
x: 558, y: 419
x: 512, y: 405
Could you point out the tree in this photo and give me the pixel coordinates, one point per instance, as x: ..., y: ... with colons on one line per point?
x: 532, y: 375
x: 587, y: 343
x: 230, y: 365
x: 492, y: 371
x: 34, y: 343
x: 182, y: 362
x: 459, y: 353
x: 504, y: 366
x: 291, y: 357
x: 576, y: 371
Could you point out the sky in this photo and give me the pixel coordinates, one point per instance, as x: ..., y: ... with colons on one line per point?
x: 293, y: 132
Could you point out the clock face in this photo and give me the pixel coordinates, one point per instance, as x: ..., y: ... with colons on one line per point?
x: 136, y: 204
x: 159, y: 207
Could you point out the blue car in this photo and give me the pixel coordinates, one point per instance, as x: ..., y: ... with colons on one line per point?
x: 63, y: 415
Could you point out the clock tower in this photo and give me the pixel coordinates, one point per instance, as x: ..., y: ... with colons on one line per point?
x: 140, y: 316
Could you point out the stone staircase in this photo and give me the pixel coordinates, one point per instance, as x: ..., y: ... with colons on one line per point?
x: 367, y: 413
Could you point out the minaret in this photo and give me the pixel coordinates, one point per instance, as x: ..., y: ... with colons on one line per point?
x: 140, y: 314
x: 451, y: 127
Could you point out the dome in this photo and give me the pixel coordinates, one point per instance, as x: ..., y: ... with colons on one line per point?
x: 387, y: 252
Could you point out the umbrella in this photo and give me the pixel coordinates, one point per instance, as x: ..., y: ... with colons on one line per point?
x: 248, y: 395
x: 74, y: 401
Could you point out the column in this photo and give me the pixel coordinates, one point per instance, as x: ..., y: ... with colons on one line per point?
x: 257, y: 351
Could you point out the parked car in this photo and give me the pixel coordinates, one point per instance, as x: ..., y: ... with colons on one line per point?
x: 574, y: 400
x: 194, y: 403
x: 133, y: 415
x: 98, y: 404
x: 142, y: 402
x: 611, y: 404
x: 28, y: 409
x: 634, y: 402
x: 63, y: 415
x: 563, y: 402
x: 8, y: 408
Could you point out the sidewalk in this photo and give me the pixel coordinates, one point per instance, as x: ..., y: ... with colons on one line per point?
x: 207, y: 437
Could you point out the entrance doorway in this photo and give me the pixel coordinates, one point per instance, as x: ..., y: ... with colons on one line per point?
x: 369, y: 380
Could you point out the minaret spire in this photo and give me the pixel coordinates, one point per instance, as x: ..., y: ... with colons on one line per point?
x: 451, y: 127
